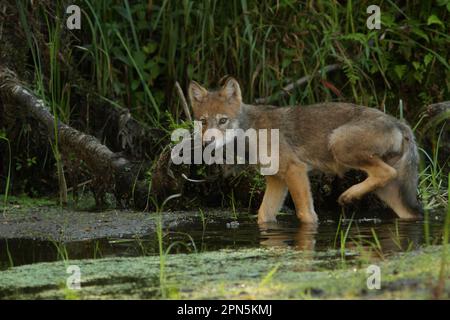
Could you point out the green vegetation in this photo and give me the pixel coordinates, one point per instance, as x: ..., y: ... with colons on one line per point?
x: 269, y: 45
x: 8, y: 178
x: 25, y: 203
x: 244, y: 274
x: 164, y: 271
x: 131, y: 53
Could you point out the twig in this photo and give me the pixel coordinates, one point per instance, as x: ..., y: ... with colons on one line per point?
x: 192, y: 180
x: 183, y: 101
x: 79, y: 185
x: 297, y: 83
x: 3, y: 22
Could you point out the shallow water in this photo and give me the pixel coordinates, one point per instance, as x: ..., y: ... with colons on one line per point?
x: 386, y: 236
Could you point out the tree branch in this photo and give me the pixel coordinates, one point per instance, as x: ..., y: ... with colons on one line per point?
x: 297, y: 83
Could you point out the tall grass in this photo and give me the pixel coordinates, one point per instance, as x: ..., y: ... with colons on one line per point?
x: 8, y: 178
x: 8, y: 253
x: 443, y: 272
x: 132, y: 53
x: 59, y: 103
x: 343, y: 235
x: 51, y: 89
x: 165, y: 289
x: 265, y: 45
x: 135, y: 51
x: 162, y: 259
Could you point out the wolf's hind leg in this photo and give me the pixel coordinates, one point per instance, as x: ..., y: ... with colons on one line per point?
x: 390, y: 194
x: 379, y: 173
x: 273, y: 199
x: 298, y: 184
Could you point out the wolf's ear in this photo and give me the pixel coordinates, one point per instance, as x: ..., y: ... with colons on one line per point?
x: 196, y: 92
x: 231, y: 90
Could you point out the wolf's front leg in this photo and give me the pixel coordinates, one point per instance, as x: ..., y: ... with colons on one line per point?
x: 298, y: 183
x: 274, y: 196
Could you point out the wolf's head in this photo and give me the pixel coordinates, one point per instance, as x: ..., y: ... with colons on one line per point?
x: 217, y: 110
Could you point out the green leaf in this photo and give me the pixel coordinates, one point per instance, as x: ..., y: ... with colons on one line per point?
x: 150, y: 47
x: 358, y: 37
x: 190, y: 71
x: 139, y: 59
x: 418, y: 76
x: 428, y: 58
x: 400, y: 70
x: 416, y: 65
x: 388, y: 20
x: 286, y: 62
x: 433, y: 19
x: 155, y: 71
x: 134, y: 84
x: 420, y: 33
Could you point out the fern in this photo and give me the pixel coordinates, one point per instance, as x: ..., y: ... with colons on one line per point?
x: 350, y: 72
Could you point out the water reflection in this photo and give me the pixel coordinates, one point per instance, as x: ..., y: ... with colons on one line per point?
x: 275, y: 235
x: 386, y: 236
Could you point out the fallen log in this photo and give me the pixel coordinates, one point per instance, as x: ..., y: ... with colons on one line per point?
x: 111, y: 171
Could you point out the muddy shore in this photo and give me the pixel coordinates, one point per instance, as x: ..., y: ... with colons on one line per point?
x: 60, y: 224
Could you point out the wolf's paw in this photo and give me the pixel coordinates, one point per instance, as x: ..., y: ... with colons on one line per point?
x: 311, y: 219
x: 308, y: 217
x: 347, y: 197
x: 266, y: 218
x: 263, y: 221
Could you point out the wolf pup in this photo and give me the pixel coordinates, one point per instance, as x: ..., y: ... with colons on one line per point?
x: 330, y: 137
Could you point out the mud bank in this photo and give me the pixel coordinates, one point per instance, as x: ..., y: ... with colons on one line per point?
x: 59, y: 224
x: 41, y: 219
x: 275, y: 273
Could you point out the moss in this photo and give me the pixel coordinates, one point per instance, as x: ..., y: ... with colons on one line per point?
x: 16, y: 203
x: 255, y: 274
x: 19, y: 203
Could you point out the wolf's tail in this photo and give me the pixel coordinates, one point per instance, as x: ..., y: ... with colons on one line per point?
x: 401, y: 193
x: 407, y: 168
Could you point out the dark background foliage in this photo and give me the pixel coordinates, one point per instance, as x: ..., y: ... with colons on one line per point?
x: 130, y: 53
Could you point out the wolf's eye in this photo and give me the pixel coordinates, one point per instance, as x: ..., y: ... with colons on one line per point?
x: 223, y: 120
